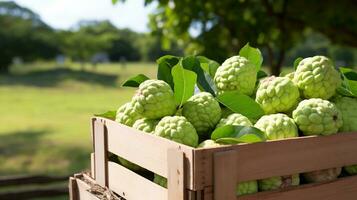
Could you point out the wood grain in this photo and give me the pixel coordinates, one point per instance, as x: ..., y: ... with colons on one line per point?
x: 175, y: 181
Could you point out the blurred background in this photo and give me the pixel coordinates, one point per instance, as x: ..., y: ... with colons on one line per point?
x: 61, y: 61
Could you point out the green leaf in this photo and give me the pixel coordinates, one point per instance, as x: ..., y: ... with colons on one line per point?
x: 297, y: 61
x: 230, y: 134
x: 253, y: 55
x: 109, y: 115
x: 166, y: 63
x: 349, y: 84
x: 208, y: 65
x: 135, y: 81
x: 241, y: 103
x: 184, y: 83
x: 114, y: 1
x: 204, y: 80
x: 261, y: 74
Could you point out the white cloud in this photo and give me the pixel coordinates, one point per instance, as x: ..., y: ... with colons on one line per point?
x: 66, y: 13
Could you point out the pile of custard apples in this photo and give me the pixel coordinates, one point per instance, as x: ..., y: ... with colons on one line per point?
x: 301, y: 103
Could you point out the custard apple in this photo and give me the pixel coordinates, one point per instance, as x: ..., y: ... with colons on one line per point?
x: 277, y: 94
x: 278, y: 182
x: 127, y: 164
x: 317, y: 77
x: 277, y: 126
x: 127, y: 115
x: 317, y: 117
x: 146, y: 125
x: 348, y: 108
x: 162, y: 181
x: 178, y: 129
x: 154, y: 99
x: 236, y: 74
x: 351, y: 170
x: 208, y: 143
x: 246, y: 187
x: 290, y: 75
x: 203, y: 111
x: 322, y: 175
x: 235, y: 119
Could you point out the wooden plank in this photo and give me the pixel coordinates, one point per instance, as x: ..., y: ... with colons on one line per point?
x: 175, y: 181
x: 225, y: 169
x: 92, y: 165
x: 208, y: 193
x: 73, y: 189
x: 83, y: 191
x: 31, y: 193
x: 341, y: 189
x: 133, y: 186
x: 147, y: 150
x: 100, y: 153
x: 281, y: 157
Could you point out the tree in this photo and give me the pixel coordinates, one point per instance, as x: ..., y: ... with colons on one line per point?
x: 23, y: 34
x: 223, y: 27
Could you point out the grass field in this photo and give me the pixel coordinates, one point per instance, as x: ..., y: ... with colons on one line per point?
x: 45, y: 112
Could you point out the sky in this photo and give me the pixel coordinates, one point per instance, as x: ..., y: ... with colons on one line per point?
x: 64, y: 14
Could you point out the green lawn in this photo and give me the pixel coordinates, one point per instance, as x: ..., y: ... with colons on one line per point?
x: 45, y: 112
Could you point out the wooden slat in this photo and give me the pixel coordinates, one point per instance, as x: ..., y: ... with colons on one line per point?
x: 133, y: 186
x: 175, y: 181
x: 30, y: 179
x: 73, y: 189
x: 225, y: 169
x: 341, y: 189
x: 100, y: 153
x: 92, y: 165
x: 282, y: 157
x: 31, y: 193
x: 83, y: 193
x: 208, y: 193
x: 146, y: 150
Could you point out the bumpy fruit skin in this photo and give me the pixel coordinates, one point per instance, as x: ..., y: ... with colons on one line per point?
x: 208, y: 143
x: 348, y: 108
x: 162, y: 181
x: 154, y: 99
x: 290, y: 75
x: 236, y: 74
x: 317, y: 117
x: 277, y: 126
x: 322, y: 175
x: 235, y: 119
x: 278, y: 182
x: 247, y: 187
x: 351, y: 170
x: 317, y: 77
x: 277, y: 94
x: 127, y: 115
x: 178, y: 129
x: 203, y: 111
x: 146, y: 125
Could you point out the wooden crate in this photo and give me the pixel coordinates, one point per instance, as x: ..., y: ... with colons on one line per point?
x: 212, y: 173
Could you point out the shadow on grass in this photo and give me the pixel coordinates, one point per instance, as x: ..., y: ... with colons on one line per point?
x: 52, y: 77
x: 29, y: 152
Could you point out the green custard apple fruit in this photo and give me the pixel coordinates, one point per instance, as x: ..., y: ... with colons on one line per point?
x: 162, y: 181
x: 277, y: 126
x: 236, y: 74
x: 208, y: 143
x: 127, y: 115
x: 129, y: 165
x: 348, y: 108
x: 317, y: 77
x: 203, y: 112
x: 278, y: 182
x: 290, y: 75
x: 235, y: 119
x: 322, y: 175
x: 277, y: 94
x: 178, y: 129
x: 317, y: 117
x: 154, y: 99
x: 351, y: 170
x: 246, y: 187
x: 146, y: 125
